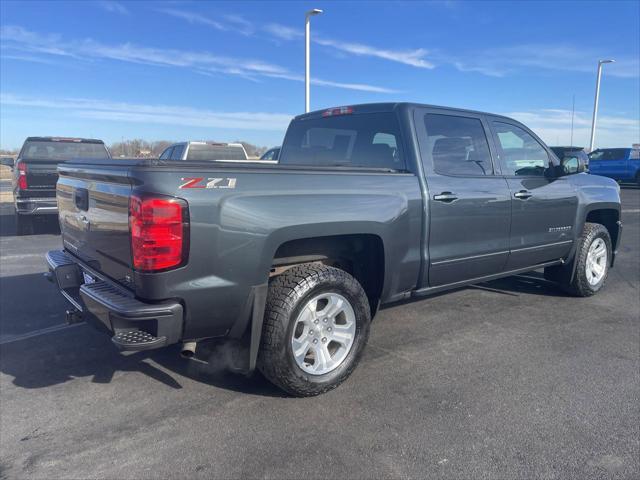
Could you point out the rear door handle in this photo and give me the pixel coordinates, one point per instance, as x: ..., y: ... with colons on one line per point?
x: 445, y: 197
x: 523, y: 194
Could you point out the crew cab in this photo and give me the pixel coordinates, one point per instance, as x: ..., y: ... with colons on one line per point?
x: 368, y: 205
x: 621, y: 164
x: 35, y: 175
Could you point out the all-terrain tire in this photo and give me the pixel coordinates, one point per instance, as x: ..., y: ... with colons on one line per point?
x: 579, y: 285
x: 288, y: 294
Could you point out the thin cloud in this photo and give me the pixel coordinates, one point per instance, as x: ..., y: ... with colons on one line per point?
x: 113, y: 7
x: 414, y: 58
x: 228, y: 23
x: 282, y: 31
x: 160, y: 114
x: 20, y: 40
x: 503, y: 61
x: 554, y: 127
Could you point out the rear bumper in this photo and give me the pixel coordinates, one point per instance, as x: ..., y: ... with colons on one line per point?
x: 36, y: 206
x: 110, y: 306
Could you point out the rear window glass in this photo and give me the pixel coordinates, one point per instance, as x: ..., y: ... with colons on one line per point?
x: 60, y: 151
x: 367, y: 140
x: 609, y: 154
x: 215, y: 152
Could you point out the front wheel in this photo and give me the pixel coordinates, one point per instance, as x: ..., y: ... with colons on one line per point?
x: 315, y: 329
x: 593, y: 257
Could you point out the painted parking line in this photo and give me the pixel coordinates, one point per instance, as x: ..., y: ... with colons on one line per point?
x: 6, y: 339
x: 631, y: 210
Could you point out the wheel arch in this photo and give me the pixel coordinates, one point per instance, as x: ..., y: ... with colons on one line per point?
x: 609, y: 217
x: 360, y: 254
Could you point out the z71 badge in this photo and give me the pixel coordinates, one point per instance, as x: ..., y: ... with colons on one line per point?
x: 201, y: 182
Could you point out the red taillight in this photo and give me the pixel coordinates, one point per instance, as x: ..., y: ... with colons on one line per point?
x: 22, y: 176
x: 159, y: 229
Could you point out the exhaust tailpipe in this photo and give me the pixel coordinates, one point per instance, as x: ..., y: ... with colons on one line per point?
x: 188, y: 349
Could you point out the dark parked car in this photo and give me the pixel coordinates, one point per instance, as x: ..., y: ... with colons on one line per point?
x: 368, y: 205
x: 35, y: 174
x: 271, y: 154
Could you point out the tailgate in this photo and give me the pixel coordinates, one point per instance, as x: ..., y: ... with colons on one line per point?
x: 93, y: 203
x: 41, y: 176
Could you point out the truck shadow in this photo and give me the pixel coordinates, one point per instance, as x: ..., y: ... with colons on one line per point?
x: 34, y: 366
x: 45, y: 225
x: 61, y: 356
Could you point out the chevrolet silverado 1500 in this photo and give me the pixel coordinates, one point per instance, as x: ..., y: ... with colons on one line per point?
x: 368, y: 205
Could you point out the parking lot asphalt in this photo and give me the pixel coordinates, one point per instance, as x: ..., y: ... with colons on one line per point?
x: 508, y: 379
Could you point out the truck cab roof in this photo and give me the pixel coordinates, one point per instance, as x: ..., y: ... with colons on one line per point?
x: 364, y: 108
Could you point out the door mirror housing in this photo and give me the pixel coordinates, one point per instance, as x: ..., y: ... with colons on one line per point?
x: 573, y: 164
x: 7, y: 162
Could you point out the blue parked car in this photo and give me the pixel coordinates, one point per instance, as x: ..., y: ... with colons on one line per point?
x: 621, y: 164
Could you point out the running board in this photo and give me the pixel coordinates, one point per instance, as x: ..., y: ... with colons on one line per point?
x: 423, y: 292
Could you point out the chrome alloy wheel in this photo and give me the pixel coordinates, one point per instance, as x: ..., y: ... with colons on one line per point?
x: 596, y: 265
x: 323, y: 333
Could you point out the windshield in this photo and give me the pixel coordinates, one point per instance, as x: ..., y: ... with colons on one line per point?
x: 609, y: 154
x: 61, y: 151
x: 216, y: 152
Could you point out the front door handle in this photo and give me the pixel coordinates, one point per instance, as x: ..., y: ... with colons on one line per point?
x: 523, y: 194
x: 445, y: 197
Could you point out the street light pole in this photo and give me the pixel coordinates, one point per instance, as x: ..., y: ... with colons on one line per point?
x: 595, y: 103
x: 307, y: 40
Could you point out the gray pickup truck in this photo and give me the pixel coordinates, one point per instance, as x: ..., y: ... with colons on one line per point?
x: 368, y: 205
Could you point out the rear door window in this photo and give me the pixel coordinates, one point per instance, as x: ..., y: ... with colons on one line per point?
x: 458, y: 145
x: 363, y: 140
x: 57, y: 151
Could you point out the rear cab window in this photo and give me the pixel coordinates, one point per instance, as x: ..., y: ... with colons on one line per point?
x: 61, y: 150
x: 212, y: 151
x: 367, y: 140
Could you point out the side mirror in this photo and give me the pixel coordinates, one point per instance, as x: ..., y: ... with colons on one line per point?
x: 7, y: 162
x: 573, y: 164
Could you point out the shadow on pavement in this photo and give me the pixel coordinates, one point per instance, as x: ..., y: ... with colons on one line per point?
x: 45, y: 224
x: 532, y: 283
x: 59, y: 357
x: 56, y: 358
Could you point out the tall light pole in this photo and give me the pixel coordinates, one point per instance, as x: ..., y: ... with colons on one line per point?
x: 307, y: 40
x: 595, y: 103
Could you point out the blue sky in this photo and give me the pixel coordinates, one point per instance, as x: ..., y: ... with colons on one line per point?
x: 234, y: 70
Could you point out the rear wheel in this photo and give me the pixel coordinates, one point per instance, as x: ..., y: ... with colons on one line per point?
x: 638, y: 178
x: 25, y: 224
x: 316, y: 326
